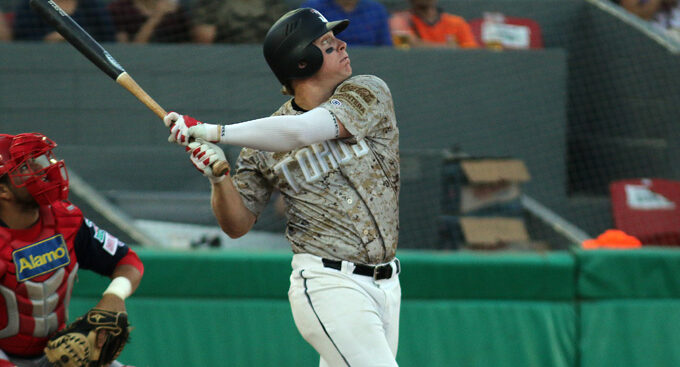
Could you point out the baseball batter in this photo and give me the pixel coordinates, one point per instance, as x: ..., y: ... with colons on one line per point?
x: 333, y: 153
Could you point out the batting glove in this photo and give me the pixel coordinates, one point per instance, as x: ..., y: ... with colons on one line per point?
x: 203, y: 154
x: 207, y: 132
x: 179, y: 127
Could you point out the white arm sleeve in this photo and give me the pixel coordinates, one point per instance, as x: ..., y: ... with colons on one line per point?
x: 282, y: 133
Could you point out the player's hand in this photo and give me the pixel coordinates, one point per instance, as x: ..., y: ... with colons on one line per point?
x: 206, y: 132
x: 179, y: 126
x: 203, y: 154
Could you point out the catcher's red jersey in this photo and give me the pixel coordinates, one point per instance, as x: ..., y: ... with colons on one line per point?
x: 37, y: 269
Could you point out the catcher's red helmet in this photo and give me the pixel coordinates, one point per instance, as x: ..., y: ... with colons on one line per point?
x: 29, y: 162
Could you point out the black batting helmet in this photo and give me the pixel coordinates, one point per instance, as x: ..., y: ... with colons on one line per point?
x: 289, y: 42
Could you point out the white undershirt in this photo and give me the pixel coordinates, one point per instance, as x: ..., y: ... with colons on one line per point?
x: 282, y: 133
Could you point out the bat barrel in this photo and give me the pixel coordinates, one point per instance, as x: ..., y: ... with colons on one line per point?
x: 77, y: 36
x: 87, y: 46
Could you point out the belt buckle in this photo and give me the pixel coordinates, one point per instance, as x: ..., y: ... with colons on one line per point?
x: 377, y: 271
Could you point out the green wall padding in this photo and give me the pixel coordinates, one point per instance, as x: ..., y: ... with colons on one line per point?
x: 425, y: 275
x: 477, y: 275
x: 650, y: 272
x: 630, y: 333
x: 210, y: 332
x: 204, y: 274
x: 559, y: 309
x: 487, y: 334
x: 219, y: 308
x: 183, y: 332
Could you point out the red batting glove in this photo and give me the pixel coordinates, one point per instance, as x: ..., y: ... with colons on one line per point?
x: 179, y: 127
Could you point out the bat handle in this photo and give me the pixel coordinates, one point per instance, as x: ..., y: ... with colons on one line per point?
x: 124, y: 79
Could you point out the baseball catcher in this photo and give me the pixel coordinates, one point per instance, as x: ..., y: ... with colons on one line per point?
x: 44, y: 241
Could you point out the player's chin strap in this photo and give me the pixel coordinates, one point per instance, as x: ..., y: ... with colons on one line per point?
x: 281, y: 133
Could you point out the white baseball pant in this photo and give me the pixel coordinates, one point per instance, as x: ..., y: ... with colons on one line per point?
x: 350, y: 319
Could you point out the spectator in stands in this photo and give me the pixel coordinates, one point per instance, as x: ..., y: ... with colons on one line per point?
x: 145, y: 21
x: 662, y: 14
x: 426, y: 25
x: 368, y: 20
x: 92, y: 15
x: 234, y: 21
x: 5, y: 30
x: 646, y: 9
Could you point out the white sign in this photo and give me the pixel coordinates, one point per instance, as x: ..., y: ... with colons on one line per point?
x: 642, y: 198
x: 509, y: 35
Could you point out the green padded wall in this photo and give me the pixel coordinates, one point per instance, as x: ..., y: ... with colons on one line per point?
x: 630, y: 333
x: 559, y: 309
x: 487, y: 334
x: 216, y: 308
x: 648, y: 273
x: 210, y: 332
x: 630, y: 307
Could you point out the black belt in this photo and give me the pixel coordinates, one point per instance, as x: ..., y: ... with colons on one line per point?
x: 384, y: 271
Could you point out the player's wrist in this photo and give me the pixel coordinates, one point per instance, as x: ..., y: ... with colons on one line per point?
x: 120, y: 286
x: 217, y: 179
x: 220, y: 134
x: 207, y: 132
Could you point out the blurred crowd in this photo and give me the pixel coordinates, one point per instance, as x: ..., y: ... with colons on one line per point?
x: 664, y: 15
x: 419, y: 23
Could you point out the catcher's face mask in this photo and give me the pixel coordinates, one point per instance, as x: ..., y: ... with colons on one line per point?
x: 29, y: 162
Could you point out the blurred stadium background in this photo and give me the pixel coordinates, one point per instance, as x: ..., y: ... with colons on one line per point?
x: 599, y: 103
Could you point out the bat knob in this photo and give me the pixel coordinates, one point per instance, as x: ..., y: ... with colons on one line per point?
x: 220, y: 168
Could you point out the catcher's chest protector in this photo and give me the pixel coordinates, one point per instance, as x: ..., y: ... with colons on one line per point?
x: 37, y: 271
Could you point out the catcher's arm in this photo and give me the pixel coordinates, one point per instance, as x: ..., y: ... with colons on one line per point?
x: 126, y: 279
x: 114, y: 296
x: 98, y: 337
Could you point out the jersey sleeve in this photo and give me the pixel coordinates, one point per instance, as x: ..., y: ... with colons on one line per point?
x: 363, y: 104
x: 97, y: 250
x: 250, y: 183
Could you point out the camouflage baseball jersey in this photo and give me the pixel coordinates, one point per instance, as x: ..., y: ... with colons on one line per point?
x: 239, y: 21
x: 342, y: 195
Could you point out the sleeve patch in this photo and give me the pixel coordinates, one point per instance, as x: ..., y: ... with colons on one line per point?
x: 350, y: 100
x: 362, y: 92
x: 111, y: 244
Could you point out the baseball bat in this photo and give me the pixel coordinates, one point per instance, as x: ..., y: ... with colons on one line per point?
x: 83, y: 42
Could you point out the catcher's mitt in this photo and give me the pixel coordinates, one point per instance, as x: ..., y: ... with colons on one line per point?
x: 76, y: 345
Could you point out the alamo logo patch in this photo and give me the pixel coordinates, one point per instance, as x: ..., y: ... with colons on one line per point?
x: 40, y: 258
